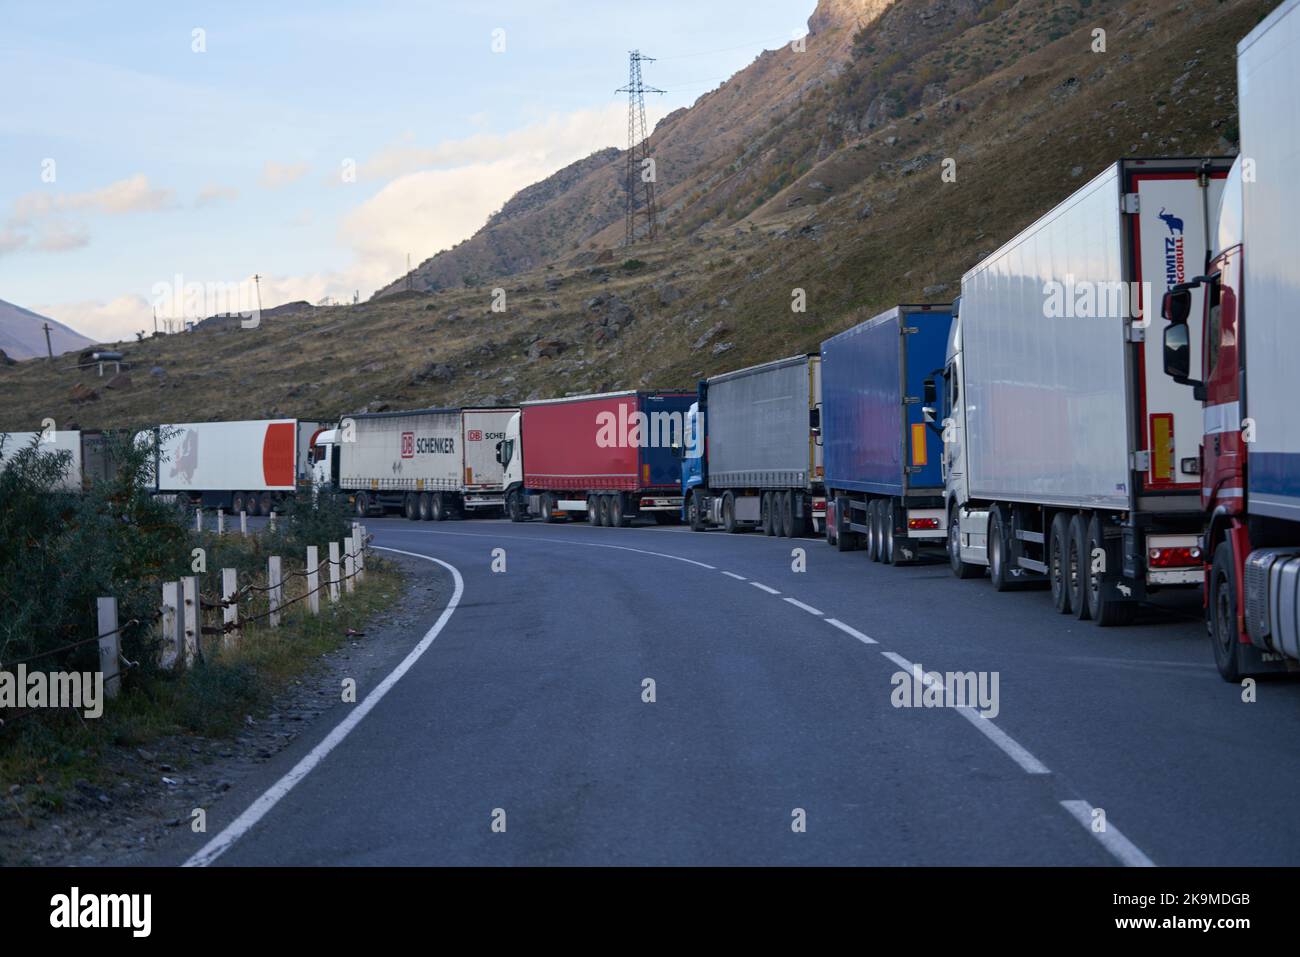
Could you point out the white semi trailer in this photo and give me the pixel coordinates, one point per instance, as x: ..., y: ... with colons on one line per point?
x: 89, y: 458
x: 244, y: 466
x: 427, y: 464
x: 1068, y: 453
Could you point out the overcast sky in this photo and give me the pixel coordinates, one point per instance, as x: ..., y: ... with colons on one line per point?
x: 144, y: 142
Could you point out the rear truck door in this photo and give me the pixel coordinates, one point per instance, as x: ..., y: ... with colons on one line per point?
x: 1169, y: 234
x: 924, y: 343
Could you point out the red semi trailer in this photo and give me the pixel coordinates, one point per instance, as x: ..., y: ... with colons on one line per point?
x: 610, y: 456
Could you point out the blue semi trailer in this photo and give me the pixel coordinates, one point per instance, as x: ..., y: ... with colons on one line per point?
x: 883, y: 460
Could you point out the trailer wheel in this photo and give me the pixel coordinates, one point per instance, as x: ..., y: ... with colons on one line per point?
x: 617, y: 505
x: 411, y: 507
x: 1078, y: 567
x: 846, y: 540
x: 593, y: 510
x: 786, y: 503
x: 237, y: 503
x: 873, y: 535
x: 265, y: 503
x: 695, y: 511
x: 1058, y: 562
x: 361, y: 504
x: 999, y: 549
x: 729, y: 522
x: 960, y: 567
x: 437, y: 507
x: 1106, y: 613
x: 514, y: 507
x: 1222, y: 615
x: 765, y: 509
x: 888, y: 554
x: 425, y: 507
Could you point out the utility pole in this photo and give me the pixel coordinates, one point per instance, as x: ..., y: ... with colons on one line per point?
x: 48, y: 348
x: 257, y: 284
x: 408, y: 272
x: 155, y: 320
x: 639, y: 164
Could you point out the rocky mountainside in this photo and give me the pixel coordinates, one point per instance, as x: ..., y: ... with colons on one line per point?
x: 814, y: 177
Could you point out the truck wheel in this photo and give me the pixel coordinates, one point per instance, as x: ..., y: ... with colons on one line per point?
x: 616, y: 509
x: 361, y: 504
x: 425, y: 507
x: 765, y: 509
x: 237, y: 503
x: 960, y: 567
x: 873, y: 536
x: 999, y: 551
x: 1078, y: 567
x: 729, y: 522
x: 266, y: 503
x: 846, y: 540
x: 514, y: 507
x: 786, y: 500
x: 695, y: 512
x: 1058, y: 562
x: 411, y: 507
x: 1222, y: 615
x: 1106, y: 613
x: 437, y: 507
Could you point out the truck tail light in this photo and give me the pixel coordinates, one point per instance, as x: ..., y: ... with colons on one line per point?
x: 1181, y: 556
x: 922, y: 523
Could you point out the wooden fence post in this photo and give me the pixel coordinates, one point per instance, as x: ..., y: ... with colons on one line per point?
x: 334, y: 571
x: 243, y: 523
x: 349, y: 564
x: 110, y: 646
x: 198, y: 519
x: 276, y: 595
x: 313, y: 579
x: 272, y: 520
x: 361, y: 553
x: 230, y: 613
x: 170, y: 656
x: 190, y: 597
x: 221, y: 521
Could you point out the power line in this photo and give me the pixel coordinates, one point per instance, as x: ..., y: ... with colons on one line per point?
x: 639, y: 162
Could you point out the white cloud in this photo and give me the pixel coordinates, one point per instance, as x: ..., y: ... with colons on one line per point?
x: 440, y: 195
x: 103, y: 321
x: 275, y: 175
x: 131, y: 195
x: 58, y: 237
x: 214, y: 193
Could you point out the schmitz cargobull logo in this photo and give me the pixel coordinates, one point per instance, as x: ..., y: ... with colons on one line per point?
x: 1175, y: 264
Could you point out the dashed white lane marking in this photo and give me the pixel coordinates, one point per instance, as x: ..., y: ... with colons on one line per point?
x: 1012, y: 748
x: 761, y: 586
x: 739, y: 578
x: 808, y: 608
x: 1124, y: 850
x: 259, y: 808
x: 850, y: 631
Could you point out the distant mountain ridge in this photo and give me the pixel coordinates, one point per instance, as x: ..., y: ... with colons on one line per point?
x: 22, y: 334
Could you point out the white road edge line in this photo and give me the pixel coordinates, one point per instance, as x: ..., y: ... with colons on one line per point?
x: 760, y: 585
x: 1124, y: 850
x: 808, y: 608
x: 562, y: 541
x: 739, y: 578
x: 259, y: 808
x: 1012, y: 748
x: 850, y: 631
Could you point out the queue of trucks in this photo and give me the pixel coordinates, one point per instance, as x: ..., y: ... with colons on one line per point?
x: 1041, y: 428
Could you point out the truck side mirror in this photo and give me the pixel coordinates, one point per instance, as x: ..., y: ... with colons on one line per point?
x: 930, y: 394
x: 815, y: 420
x: 1177, y: 349
x: 927, y: 411
x: 500, y: 461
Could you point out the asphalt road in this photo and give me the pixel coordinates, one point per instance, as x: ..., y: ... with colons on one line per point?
x: 772, y: 705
